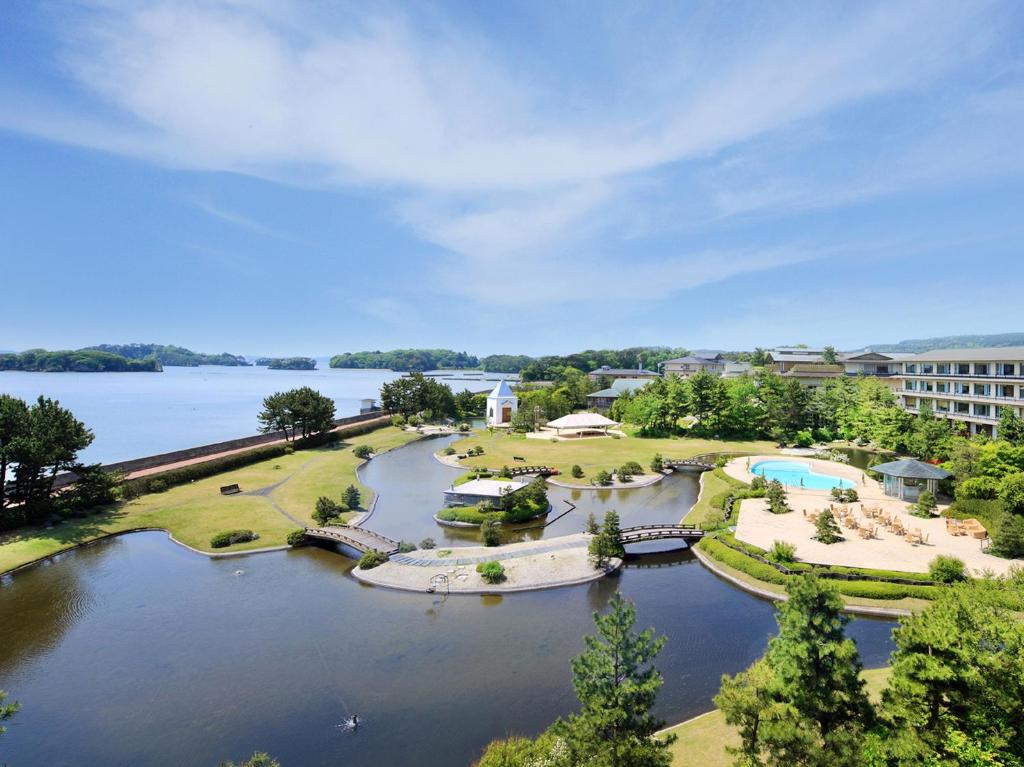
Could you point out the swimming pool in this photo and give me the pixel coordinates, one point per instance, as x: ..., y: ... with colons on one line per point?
x: 797, y: 474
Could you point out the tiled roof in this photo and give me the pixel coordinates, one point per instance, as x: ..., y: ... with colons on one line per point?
x: 987, y: 354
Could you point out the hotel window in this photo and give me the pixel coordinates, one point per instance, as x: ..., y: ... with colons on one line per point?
x: 962, y: 388
x: 1006, y: 369
x: 942, y: 407
x: 911, y: 368
x: 1004, y: 390
x: 942, y: 368
x: 982, y: 389
x: 981, y: 368
x: 962, y: 407
x: 927, y: 386
x: 942, y: 387
x: 908, y: 385
x: 981, y: 410
x: 963, y: 369
x: 927, y: 369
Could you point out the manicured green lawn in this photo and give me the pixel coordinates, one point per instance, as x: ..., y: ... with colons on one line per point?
x: 703, y: 511
x: 592, y: 455
x: 194, y: 512
x: 702, y: 741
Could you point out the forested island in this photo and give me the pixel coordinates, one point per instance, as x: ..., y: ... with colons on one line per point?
x: 81, y: 361
x: 287, y: 363
x: 172, y: 356
x: 406, y: 360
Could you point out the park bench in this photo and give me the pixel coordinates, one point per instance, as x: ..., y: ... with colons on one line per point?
x: 518, y: 458
x: 230, y: 489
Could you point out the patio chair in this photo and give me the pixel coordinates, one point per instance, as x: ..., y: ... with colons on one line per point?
x: 911, y: 539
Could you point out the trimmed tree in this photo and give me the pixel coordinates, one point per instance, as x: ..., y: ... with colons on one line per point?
x: 826, y: 530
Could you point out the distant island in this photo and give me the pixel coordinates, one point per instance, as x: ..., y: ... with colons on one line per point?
x: 171, y: 356
x: 287, y: 363
x: 81, y: 361
x: 918, y: 345
x: 406, y: 360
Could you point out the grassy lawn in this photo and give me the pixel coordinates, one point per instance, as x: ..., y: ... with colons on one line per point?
x: 703, y: 512
x: 592, y: 455
x: 702, y: 741
x: 194, y: 512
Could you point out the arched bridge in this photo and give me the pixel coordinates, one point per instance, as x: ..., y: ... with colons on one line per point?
x: 697, y: 462
x: 642, y: 533
x: 358, y: 538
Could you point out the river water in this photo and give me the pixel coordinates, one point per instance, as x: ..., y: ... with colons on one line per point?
x: 135, y: 651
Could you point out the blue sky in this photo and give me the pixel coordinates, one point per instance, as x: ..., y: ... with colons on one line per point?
x: 261, y: 176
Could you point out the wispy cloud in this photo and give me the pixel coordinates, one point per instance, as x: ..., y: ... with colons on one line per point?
x: 536, y: 172
x: 245, y: 222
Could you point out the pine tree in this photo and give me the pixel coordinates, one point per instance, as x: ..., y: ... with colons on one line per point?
x: 826, y: 529
x: 352, y: 497
x: 616, y: 684
x: 816, y: 709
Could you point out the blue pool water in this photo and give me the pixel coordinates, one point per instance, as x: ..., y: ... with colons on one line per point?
x: 797, y: 474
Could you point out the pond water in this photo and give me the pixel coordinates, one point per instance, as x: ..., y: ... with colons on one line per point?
x: 136, y: 651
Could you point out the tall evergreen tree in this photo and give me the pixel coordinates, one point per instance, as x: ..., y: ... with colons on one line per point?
x: 617, y: 684
x: 806, y: 706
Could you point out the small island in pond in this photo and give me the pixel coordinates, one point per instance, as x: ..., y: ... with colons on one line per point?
x: 81, y: 361
x: 287, y: 363
x: 170, y: 355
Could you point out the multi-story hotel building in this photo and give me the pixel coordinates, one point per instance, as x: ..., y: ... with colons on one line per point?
x: 968, y: 385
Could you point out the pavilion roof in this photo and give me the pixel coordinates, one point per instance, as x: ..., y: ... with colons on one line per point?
x: 582, y: 421
x: 910, y: 468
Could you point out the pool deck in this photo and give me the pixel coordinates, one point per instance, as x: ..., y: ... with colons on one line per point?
x: 758, y: 526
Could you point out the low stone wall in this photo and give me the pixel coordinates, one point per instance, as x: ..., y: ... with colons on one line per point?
x: 215, y: 448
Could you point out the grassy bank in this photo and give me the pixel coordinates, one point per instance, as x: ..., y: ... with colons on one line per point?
x: 592, y: 455
x: 702, y: 741
x: 194, y: 512
x: 708, y: 511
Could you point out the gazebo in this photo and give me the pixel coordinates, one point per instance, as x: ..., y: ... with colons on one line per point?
x: 582, y: 422
x: 906, y: 479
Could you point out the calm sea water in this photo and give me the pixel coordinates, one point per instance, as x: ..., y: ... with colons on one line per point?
x: 138, y: 414
x: 137, y: 652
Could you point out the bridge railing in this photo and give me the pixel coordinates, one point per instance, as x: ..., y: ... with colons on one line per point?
x: 636, y: 528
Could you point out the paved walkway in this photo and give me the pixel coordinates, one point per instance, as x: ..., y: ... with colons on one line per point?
x: 419, y: 559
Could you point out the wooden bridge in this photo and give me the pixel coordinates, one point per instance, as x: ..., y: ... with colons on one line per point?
x: 543, y: 471
x: 697, y: 462
x: 642, y: 533
x: 358, y: 538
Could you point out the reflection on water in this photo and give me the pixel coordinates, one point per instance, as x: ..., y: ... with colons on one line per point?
x: 136, y: 651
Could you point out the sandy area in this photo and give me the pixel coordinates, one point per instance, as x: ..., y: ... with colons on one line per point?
x: 885, y: 551
x: 528, y: 566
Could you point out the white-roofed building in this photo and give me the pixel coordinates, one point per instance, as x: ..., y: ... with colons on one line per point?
x: 502, y: 404
x: 579, y: 423
x: 494, y: 490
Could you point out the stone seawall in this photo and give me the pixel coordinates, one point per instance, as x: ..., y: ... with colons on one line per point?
x: 215, y: 448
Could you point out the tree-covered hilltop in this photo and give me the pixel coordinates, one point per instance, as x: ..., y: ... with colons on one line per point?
x: 406, y: 360
x: 172, y: 356
x: 547, y: 368
x: 81, y: 361
x: 287, y: 363
x: 918, y: 345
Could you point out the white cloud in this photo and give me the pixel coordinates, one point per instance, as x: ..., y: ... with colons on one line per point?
x: 490, y: 163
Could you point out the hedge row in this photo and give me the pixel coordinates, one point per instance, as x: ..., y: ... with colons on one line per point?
x: 160, y: 481
x: 231, y: 537
x: 859, y: 588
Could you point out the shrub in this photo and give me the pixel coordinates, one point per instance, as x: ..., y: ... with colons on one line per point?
x: 231, y: 537
x: 490, y: 532
x: 987, y: 512
x: 758, y: 483
x: 352, y: 497
x: 947, y: 569
x: 326, y: 511
x: 296, y: 537
x: 156, y: 485
x: 505, y: 473
x: 478, y: 450
x: 1008, y: 537
x: 427, y: 543
x: 491, y: 572
x: 925, y: 504
x: 978, y: 488
x: 404, y: 547
x: 449, y: 450
x: 415, y: 421
x: 632, y: 467
x: 602, y: 478
x: 844, y: 495
x: 362, y: 451
x: 825, y: 528
x: 463, y: 426
x: 1011, y: 492
x: 803, y: 439
x: 372, y: 559
x: 288, y: 450
x: 624, y: 474
x: 398, y: 420
x: 576, y: 471
x: 613, y: 435
x: 657, y: 463
x: 782, y: 551
x: 776, y: 495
